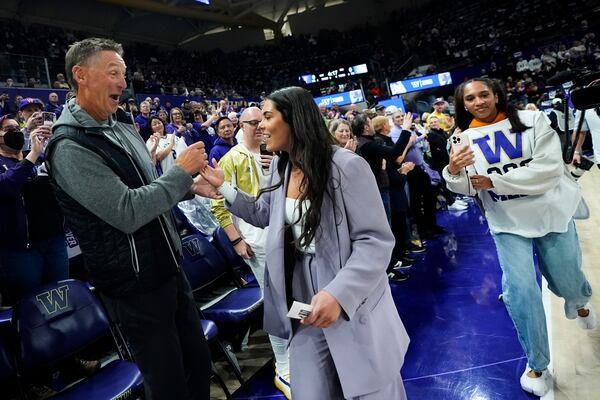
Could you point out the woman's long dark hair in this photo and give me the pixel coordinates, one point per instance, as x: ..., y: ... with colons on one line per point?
x: 464, y: 118
x: 310, y: 150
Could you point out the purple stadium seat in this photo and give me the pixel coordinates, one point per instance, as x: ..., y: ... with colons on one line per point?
x: 59, y: 320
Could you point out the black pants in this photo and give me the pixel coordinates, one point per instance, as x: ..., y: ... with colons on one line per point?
x: 447, y: 193
x: 163, y: 331
x: 400, y: 230
x: 422, y: 199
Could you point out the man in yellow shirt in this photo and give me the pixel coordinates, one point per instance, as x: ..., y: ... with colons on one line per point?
x: 446, y: 122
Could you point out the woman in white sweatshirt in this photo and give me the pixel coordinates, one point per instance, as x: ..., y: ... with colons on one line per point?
x: 514, y: 165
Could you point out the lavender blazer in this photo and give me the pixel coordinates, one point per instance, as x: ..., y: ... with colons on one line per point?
x: 353, y: 247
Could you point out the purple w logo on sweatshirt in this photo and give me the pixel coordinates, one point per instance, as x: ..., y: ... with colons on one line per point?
x: 502, y: 142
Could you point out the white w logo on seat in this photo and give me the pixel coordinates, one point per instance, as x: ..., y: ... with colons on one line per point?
x: 54, y: 300
x: 193, y: 246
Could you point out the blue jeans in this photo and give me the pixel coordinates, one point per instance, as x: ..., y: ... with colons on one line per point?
x: 559, y: 259
x: 24, y: 270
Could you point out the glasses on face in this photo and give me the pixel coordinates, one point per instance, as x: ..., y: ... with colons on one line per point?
x: 253, y: 122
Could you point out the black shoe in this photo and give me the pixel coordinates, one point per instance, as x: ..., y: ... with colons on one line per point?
x: 407, y: 260
x: 400, y: 266
x: 397, y: 276
x: 416, y: 249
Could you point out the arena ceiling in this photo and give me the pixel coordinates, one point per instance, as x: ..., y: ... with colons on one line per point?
x: 179, y: 20
x: 164, y: 22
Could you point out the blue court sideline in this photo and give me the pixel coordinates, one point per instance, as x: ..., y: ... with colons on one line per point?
x: 463, y: 343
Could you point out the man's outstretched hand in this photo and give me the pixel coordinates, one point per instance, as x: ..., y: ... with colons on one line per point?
x: 203, y: 188
x: 213, y: 175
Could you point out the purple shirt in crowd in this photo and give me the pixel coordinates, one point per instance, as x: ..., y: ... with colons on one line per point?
x: 414, y: 153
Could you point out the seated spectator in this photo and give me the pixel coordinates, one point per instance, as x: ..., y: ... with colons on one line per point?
x: 60, y: 82
x: 225, y: 140
x: 4, y: 104
x: 155, y: 106
x: 522, y: 66
x: 534, y: 94
x: 131, y: 107
x: 32, y: 243
x: 53, y: 105
x: 163, y: 115
x: 535, y: 64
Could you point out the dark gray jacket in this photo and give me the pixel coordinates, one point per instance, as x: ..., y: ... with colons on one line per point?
x: 119, y: 210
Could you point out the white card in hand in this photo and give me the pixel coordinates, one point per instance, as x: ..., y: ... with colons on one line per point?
x: 299, y: 310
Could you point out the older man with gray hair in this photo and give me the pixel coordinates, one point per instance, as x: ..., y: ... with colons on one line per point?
x: 120, y: 211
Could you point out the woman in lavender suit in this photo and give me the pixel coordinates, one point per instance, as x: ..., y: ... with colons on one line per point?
x: 328, y: 245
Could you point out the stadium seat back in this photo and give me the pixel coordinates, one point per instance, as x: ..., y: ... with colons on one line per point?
x: 202, y: 263
x: 56, y: 321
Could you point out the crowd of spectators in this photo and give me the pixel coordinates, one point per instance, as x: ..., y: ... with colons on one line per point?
x: 558, y: 34
x: 524, y: 45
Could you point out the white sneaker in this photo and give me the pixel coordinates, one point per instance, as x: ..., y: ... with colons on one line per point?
x: 462, y: 202
x: 283, y: 384
x: 538, y: 386
x: 589, y: 322
x: 456, y: 206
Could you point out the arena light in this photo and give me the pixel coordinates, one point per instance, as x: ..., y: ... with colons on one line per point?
x: 207, y: 2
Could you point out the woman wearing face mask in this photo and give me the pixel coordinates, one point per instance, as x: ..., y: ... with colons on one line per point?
x: 32, y: 244
x: 328, y: 245
x: 515, y: 166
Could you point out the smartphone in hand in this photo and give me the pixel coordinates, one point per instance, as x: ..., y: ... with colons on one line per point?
x: 459, y: 142
x: 264, y: 151
x: 48, y: 119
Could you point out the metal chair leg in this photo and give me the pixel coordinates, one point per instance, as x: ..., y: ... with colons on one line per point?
x: 230, y: 357
x: 219, y: 381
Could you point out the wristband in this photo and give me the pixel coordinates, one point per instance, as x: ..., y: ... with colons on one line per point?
x: 236, y: 241
x: 577, y: 152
